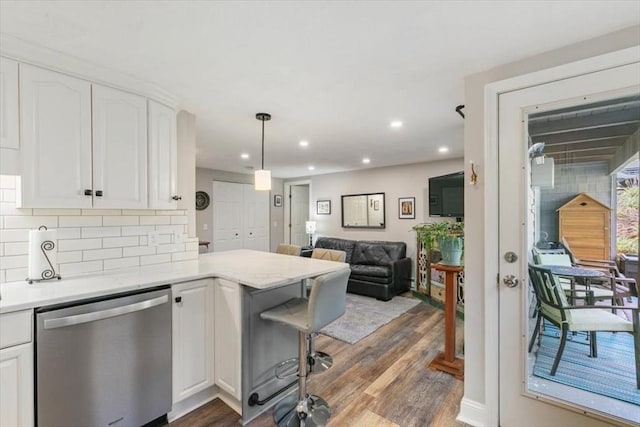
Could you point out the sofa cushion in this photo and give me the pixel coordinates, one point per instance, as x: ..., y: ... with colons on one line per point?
x: 378, y: 253
x: 370, y: 270
x: 337, y: 244
x: 372, y: 279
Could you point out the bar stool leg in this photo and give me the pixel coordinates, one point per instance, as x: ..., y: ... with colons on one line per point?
x: 305, y: 410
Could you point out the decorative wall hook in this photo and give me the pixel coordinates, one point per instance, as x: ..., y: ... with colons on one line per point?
x: 473, y: 179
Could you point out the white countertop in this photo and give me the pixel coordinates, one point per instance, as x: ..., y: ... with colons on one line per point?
x: 260, y: 270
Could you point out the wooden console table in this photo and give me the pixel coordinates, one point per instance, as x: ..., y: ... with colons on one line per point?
x: 447, y: 361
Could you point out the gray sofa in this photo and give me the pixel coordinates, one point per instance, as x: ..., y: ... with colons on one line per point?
x: 378, y: 269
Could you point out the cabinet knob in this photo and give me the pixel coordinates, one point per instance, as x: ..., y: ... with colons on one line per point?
x: 178, y: 299
x: 177, y: 198
x: 236, y: 234
x: 88, y: 192
x: 99, y: 193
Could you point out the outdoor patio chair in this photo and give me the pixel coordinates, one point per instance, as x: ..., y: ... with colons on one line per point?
x: 552, y: 305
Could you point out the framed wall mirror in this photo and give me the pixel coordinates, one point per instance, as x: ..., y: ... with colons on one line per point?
x: 363, y: 210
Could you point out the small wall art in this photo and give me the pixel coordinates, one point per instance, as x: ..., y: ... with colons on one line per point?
x: 323, y: 207
x: 407, y: 208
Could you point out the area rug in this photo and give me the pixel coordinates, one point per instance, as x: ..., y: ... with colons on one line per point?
x: 364, y: 315
x: 612, y: 373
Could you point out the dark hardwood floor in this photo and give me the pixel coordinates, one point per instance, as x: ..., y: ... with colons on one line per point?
x: 382, y: 380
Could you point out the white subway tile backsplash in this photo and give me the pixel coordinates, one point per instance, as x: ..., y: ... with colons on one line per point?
x: 68, y: 233
x: 16, y: 248
x: 138, y: 212
x: 78, y: 244
x: 16, y: 274
x: 66, y: 257
x: 8, y: 208
x: 138, y: 250
x: 30, y: 221
x: 120, y: 220
x: 101, y: 212
x: 14, y: 235
x: 154, y: 220
x: 57, y: 212
x: 110, y: 264
x: 80, y: 221
x: 164, y: 249
x: 155, y: 259
x: 120, y: 242
x: 93, y: 254
x: 80, y: 267
x: 184, y: 256
x: 88, y: 232
x: 139, y: 230
x: 17, y: 261
x: 89, y: 240
x: 179, y: 220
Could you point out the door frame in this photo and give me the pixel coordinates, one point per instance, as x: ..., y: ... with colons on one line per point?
x: 287, y: 206
x: 491, y: 410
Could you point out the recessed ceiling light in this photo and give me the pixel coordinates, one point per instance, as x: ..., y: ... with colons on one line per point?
x: 366, y: 160
x: 303, y: 143
x: 443, y: 150
x: 244, y: 156
x: 396, y: 124
x: 311, y: 168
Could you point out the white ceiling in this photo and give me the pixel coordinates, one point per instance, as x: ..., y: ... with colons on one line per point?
x: 333, y: 73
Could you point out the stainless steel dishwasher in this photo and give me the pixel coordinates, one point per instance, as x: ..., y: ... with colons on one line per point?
x: 104, y: 362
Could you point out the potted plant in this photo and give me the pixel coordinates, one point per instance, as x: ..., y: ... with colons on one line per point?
x: 446, y: 236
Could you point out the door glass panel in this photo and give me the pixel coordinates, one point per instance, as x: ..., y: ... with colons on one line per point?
x: 583, y: 216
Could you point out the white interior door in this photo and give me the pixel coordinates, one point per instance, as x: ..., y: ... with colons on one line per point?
x: 518, y: 404
x: 299, y: 214
x: 227, y: 215
x: 256, y: 219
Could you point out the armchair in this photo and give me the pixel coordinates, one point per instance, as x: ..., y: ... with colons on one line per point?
x: 552, y: 305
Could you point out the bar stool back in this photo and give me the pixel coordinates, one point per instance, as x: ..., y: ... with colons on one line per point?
x: 326, y: 303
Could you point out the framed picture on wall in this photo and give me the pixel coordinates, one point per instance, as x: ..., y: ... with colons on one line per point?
x: 323, y: 207
x: 407, y: 208
x: 277, y: 200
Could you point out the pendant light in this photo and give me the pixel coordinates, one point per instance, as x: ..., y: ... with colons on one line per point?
x: 263, y: 177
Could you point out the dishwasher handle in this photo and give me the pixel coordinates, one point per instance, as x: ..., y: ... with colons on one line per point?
x: 61, y: 322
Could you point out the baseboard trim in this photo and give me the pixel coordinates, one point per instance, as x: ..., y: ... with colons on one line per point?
x: 192, y: 403
x: 472, y: 412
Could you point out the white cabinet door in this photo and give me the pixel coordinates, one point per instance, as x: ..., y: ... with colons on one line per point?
x: 9, y: 123
x: 119, y: 149
x: 227, y: 337
x: 227, y: 202
x: 55, y: 128
x: 163, y: 160
x: 256, y: 219
x: 16, y: 386
x: 193, y: 337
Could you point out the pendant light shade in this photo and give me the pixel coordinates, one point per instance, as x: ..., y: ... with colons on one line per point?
x: 263, y: 177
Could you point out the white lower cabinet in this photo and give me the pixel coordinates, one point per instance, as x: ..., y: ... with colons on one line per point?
x: 193, y: 337
x: 16, y: 369
x: 228, y: 337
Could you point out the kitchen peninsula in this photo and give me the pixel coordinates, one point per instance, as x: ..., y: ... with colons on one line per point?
x: 241, y: 351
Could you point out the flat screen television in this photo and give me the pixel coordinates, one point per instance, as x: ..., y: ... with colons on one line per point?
x: 446, y: 195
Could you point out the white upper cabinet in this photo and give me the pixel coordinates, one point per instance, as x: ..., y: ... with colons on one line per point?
x: 119, y: 149
x: 9, y: 123
x: 163, y: 152
x: 8, y: 104
x: 55, y: 130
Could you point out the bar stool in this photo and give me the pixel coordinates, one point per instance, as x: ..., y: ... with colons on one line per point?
x: 326, y: 303
x: 285, y: 249
x: 319, y: 360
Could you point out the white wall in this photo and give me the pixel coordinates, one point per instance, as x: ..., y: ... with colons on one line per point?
x: 395, y: 182
x: 480, y: 402
x: 204, y: 182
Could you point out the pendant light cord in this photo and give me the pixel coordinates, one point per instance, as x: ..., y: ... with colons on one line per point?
x: 262, y: 144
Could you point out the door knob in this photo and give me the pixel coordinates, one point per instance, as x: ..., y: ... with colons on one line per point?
x: 511, y: 281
